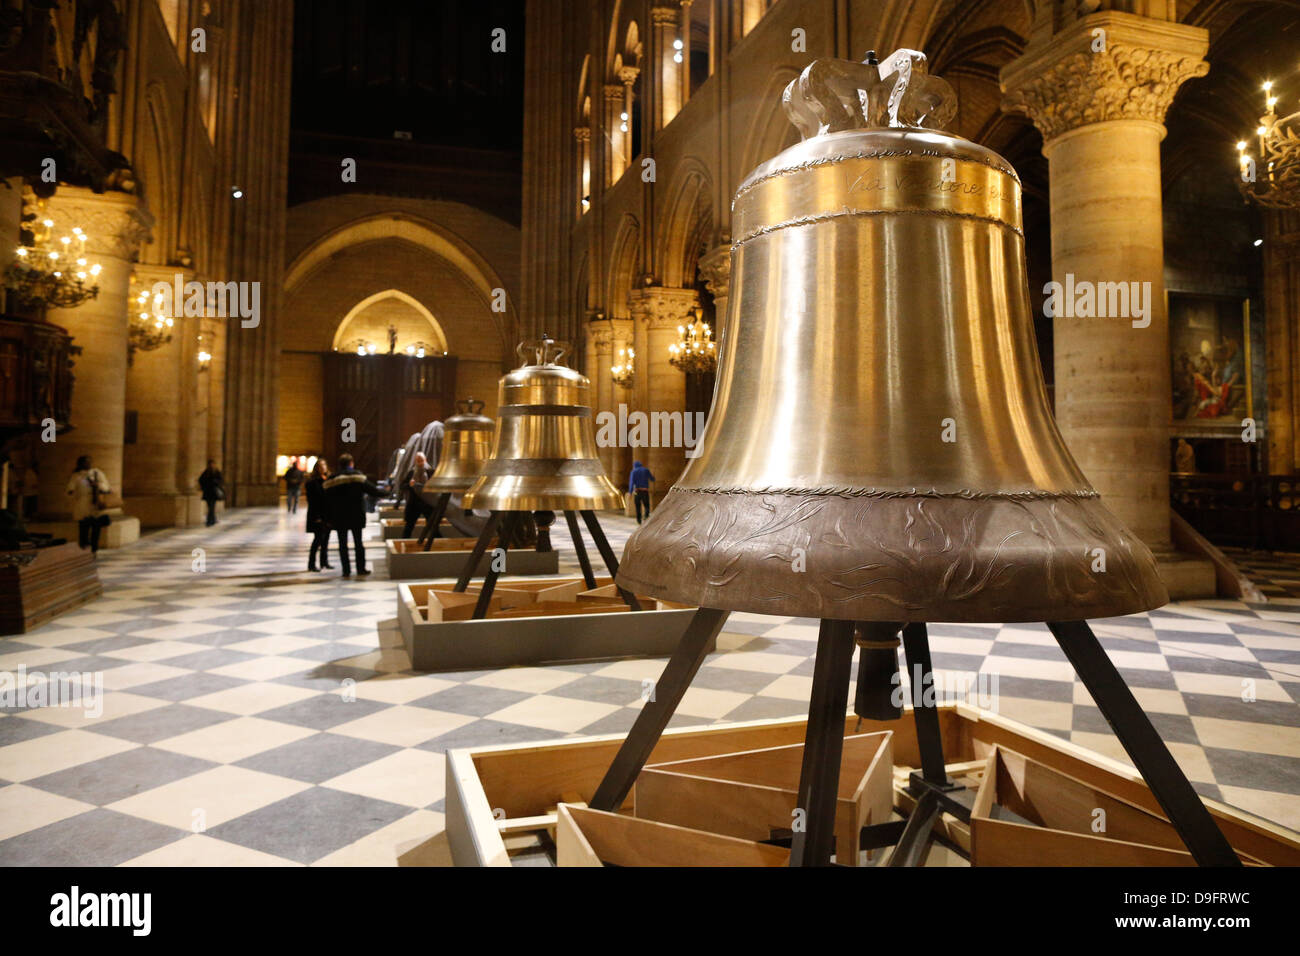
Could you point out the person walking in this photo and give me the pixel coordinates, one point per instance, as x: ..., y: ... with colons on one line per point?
x: 293, y: 479
x: 640, y: 483
x: 213, y: 488
x: 87, y: 486
x: 416, y: 507
x: 318, y: 525
x: 345, y: 494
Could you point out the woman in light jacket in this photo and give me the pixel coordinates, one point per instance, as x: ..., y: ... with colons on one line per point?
x: 85, y: 485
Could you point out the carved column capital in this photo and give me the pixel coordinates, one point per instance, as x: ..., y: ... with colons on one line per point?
x: 614, y: 93
x: 661, y: 307
x: 1104, y: 67
x: 116, y: 223
x: 582, y: 134
x: 664, y: 16
x: 628, y: 74
x: 715, y: 267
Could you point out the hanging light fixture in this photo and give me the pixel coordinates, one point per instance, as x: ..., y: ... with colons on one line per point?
x: 52, y: 270
x: 624, y: 372
x: 150, y: 327
x: 1272, y: 178
x: 694, y: 352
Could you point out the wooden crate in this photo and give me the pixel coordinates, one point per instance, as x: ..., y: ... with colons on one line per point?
x: 496, y: 792
x: 408, y: 561
x: 535, y: 621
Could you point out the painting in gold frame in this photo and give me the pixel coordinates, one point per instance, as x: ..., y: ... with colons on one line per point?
x: 1209, y: 348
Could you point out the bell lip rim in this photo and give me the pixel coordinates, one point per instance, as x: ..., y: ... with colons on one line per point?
x: 780, y: 163
x: 539, y: 502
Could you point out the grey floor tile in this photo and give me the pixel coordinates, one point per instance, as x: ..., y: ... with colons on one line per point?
x: 151, y: 726
x: 604, y: 690
x: 319, y: 757
x: 473, y: 700
x: 96, y: 838
x: 483, y: 733
x: 120, y: 776
x: 15, y: 728
x: 187, y: 686
x: 310, y: 824
x: 323, y: 711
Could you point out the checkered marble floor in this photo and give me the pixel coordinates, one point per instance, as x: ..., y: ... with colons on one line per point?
x: 254, y: 713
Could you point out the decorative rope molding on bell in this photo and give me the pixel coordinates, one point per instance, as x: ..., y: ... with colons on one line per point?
x: 858, y: 492
x: 832, y: 95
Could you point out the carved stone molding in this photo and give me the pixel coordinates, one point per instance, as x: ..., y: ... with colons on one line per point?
x: 715, y: 267
x: 582, y: 134
x: 116, y: 223
x: 628, y: 75
x: 664, y: 16
x: 614, y: 92
x: 1109, y: 66
x: 661, y: 307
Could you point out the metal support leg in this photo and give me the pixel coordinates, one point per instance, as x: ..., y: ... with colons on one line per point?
x: 476, y: 555
x: 1152, y: 758
x: 823, y: 745
x: 929, y: 738
x: 606, y: 552
x: 656, y: 713
x: 433, y: 520
x: 508, y: 525
x: 580, y: 549
x: 910, y: 849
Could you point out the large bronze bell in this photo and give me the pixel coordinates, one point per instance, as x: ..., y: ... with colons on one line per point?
x: 881, y: 453
x: 466, y: 447
x: 881, y: 446
x: 544, y: 447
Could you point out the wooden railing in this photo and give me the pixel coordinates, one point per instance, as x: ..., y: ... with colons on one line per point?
x: 1244, y: 511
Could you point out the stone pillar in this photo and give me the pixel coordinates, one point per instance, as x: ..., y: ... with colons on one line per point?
x: 657, y: 312
x: 1282, y: 306
x: 715, y: 268
x: 616, y: 141
x: 684, y: 34
x: 582, y: 134
x: 116, y: 224
x: 254, y: 148
x: 1098, y: 91
x: 666, y: 75
x: 154, y: 391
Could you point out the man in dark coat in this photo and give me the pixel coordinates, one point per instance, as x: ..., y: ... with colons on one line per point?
x: 345, y: 498
x: 213, y: 488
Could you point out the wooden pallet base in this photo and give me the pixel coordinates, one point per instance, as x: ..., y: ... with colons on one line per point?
x: 1035, y: 800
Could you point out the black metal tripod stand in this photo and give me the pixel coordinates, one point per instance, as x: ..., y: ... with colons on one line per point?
x: 877, y: 674
x: 433, y: 520
x: 507, y: 522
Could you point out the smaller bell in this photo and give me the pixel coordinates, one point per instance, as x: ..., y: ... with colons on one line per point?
x: 544, y: 447
x: 466, y: 446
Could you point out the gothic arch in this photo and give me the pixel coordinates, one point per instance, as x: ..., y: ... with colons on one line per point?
x: 158, y: 151
x: 440, y: 337
x: 429, y: 235
x: 687, y: 223
x: 774, y: 132
x: 625, y: 257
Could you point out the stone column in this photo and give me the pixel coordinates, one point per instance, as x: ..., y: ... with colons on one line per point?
x: 715, y: 268
x: 657, y: 312
x: 254, y: 149
x: 1282, y: 305
x: 1098, y: 91
x: 666, y: 75
x: 115, y: 223
x: 616, y: 141
x: 154, y: 391
x: 582, y: 134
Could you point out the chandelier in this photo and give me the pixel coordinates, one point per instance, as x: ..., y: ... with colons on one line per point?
x: 1273, y: 178
x: 360, y: 346
x: 150, y: 326
x: 419, y: 349
x: 693, y: 351
x: 52, y: 271
x: 624, y: 371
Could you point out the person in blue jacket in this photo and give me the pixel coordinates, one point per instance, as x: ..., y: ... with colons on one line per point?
x: 640, y: 483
